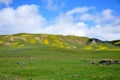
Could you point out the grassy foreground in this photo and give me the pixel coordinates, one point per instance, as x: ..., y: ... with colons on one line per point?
x: 52, y: 63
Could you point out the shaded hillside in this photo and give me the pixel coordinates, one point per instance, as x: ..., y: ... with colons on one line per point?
x: 115, y: 42
x: 24, y: 39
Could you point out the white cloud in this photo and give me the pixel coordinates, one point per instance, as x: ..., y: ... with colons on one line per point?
x: 66, y: 24
x: 105, y: 32
x: 78, y: 10
x: 106, y: 26
x: 101, y: 17
x: 6, y: 2
x: 23, y: 19
x: 53, y: 4
x: 26, y: 18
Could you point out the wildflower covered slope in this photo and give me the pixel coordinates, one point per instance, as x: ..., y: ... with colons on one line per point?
x: 69, y: 42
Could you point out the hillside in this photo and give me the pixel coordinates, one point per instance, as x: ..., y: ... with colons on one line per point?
x: 69, y: 42
x: 56, y: 57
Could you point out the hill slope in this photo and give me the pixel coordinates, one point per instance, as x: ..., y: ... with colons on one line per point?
x: 24, y: 39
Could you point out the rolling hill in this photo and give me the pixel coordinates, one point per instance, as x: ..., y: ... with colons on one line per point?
x: 26, y: 56
x: 69, y: 42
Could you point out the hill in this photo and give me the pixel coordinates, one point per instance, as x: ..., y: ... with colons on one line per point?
x: 56, y: 57
x: 69, y: 42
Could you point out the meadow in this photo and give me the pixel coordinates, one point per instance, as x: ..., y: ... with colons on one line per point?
x: 53, y: 63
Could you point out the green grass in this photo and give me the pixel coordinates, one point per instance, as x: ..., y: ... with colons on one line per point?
x: 51, y: 63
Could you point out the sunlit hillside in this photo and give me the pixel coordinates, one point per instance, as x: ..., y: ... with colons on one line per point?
x: 69, y: 42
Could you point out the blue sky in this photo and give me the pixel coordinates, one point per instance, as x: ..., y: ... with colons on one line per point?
x: 91, y: 18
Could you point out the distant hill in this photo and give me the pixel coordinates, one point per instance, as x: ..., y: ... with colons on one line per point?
x: 69, y: 42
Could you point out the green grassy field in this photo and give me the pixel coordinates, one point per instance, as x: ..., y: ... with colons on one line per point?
x: 51, y: 63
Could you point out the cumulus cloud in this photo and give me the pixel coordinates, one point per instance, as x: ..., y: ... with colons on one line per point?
x: 101, y: 17
x: 105, y: 32
x: 23, y: 19
x: 105, y: 24
x: 26, y: 18
x: 6, y: 2
x: 66, y: 24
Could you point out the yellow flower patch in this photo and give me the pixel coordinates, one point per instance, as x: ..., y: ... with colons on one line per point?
x: 55, y: 39
x: 101, y: 47
x: 15, y: 44
x: 32, y: 40
x: 57, y: 45
x: 1, y: 41
x: 45, y: 41
x: 89, y: 46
